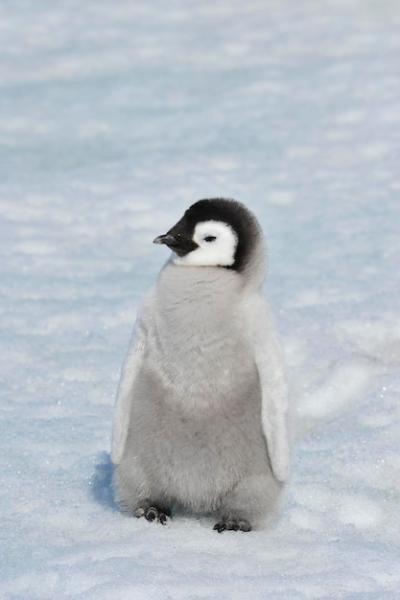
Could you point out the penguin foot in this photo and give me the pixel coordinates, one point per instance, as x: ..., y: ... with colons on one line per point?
x: 153, y: 513
x: 232, y: 525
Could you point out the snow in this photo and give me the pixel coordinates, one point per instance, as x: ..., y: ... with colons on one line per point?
x: 114, y: 117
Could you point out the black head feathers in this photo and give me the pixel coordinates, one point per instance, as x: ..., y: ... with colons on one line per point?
x: 234, y: 214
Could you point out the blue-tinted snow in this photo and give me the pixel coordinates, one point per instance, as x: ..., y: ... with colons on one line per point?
x: 113, y: 118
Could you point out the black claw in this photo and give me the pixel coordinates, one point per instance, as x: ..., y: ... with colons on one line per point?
x: 152, y: 513
x: 232, y: 525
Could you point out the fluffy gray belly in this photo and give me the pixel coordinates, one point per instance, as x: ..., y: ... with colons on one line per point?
x: 195, y: 456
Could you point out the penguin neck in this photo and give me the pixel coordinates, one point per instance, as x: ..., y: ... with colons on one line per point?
x: 189, y: 288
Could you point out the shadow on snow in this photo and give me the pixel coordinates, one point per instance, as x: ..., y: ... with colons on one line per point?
x: 101, y: 488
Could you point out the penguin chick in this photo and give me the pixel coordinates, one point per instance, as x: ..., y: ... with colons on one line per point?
x: 201, y: 418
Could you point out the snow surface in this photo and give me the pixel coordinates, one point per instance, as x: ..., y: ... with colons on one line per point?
x: 114, y: 117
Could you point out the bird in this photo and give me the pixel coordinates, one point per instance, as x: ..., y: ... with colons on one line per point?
x: 201, y: 421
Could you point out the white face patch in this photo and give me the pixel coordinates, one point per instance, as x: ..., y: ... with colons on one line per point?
x: 216, y: 242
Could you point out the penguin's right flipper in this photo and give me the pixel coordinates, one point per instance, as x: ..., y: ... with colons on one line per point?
x: 131, y: 367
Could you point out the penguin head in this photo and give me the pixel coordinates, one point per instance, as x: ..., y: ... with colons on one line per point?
x: 213, y: 233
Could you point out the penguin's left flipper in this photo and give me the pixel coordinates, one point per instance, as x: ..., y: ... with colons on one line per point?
x: 232, y: 525
x: 274, y: 393
x: 153, y: 513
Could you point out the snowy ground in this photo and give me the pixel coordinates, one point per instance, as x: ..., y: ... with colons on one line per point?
x: 113, y: 118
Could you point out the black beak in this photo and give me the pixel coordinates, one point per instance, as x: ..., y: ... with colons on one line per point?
x: 178, y: 243
x: 166, y: 239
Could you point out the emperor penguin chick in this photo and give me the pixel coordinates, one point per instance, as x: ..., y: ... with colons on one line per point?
x: 201, y: 418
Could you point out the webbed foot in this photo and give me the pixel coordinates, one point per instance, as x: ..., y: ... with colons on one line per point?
x: 153, y: 513
x: 232, y: 525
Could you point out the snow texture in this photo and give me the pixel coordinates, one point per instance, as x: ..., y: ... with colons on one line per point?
x: 114, y: 117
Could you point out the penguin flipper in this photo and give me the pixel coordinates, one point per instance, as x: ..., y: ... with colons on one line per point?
x: 130, y: 369
x: 274, y: 392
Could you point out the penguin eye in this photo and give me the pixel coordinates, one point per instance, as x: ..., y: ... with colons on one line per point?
x: 210, y: 238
